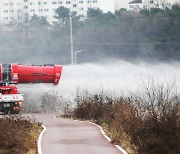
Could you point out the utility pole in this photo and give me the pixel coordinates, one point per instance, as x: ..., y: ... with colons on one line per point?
x: 71, y: 40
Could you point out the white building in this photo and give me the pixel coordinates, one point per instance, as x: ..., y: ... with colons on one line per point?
x: 137, y: 5
x: 19, y: 10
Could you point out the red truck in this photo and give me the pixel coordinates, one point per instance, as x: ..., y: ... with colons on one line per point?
x: 12, y: 74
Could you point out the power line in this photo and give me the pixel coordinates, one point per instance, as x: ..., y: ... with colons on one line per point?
x: 124, y: 43
x: 151, y: 16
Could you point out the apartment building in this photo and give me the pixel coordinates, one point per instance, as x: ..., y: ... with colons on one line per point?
x: 19, y: 10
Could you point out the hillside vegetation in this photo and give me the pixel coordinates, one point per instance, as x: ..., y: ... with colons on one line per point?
x: 147, y: 35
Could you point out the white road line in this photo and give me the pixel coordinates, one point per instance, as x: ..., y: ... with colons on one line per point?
x: 39, y: 140
x: 102, y: 131
x: 104, y: 134
x: 121, y: 149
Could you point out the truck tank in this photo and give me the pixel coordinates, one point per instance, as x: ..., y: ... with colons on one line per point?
x: 10, y: 99
x: 16, y: 73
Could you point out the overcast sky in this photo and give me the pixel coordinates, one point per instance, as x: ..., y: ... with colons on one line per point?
x: 109, y: 5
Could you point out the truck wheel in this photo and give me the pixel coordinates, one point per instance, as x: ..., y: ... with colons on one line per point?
x: 15, y: 112
x: 5, y: 112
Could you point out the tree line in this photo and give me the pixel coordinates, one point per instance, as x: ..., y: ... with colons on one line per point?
x: 146, y: 35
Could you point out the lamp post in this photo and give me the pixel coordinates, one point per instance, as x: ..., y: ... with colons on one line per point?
x: 75, y: 57
x: 71, y: 39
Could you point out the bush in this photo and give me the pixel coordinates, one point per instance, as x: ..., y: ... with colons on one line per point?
x: 18, y: 135
x: 146, y: 123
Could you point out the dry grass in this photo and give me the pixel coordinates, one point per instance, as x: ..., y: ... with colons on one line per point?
x: 147, y: 123
x: 18, y: 135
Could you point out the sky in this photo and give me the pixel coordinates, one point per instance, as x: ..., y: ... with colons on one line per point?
x: 109, y: 5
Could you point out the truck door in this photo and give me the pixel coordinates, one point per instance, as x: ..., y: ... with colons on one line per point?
x: 6, y: 73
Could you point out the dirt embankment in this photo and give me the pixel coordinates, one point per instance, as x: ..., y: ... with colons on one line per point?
x: 18, y: 135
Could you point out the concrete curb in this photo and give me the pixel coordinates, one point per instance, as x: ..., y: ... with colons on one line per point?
x: 40, y: 138
x: 104, y: 134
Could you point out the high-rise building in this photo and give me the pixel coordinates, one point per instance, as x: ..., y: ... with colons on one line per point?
x: 19, y: 10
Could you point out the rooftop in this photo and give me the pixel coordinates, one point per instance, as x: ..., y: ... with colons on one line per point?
x: 135, y: 1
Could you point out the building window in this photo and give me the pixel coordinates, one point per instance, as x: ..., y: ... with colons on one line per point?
x: 5, y: 4
x: 131, y: 6
x: 60, y: 2
x: 45, y: 3
x: 5, y: 18
x: 11, y: 18
x: 54, y: 9
x: 18, y: 4
x: 68, y: 2
x: 89, y: 1
x: 81, y: 2
x: 40, y: 10
x: 11, y: 11
x: 31, y: 3
x: 54, y: 3
x: 94, y: 1
x: 81, y: 9
x: 18, y: 11
x: 26, y: 15
x: 151, y: 2
x: 5, y: 11
x: 32, y: 10
x: 46, y: 10
x: 10, y: 4
x: 74, y: 5
x: 25, y: 7
x: 25, y: 0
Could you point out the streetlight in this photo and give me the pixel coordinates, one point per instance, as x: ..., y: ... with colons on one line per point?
x: 75, y: 58
x: 71, y: 39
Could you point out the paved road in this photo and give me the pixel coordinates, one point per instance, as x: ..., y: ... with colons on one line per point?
x: 64, y: 136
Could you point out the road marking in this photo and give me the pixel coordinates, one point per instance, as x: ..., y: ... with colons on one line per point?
x: 102, y: 131
x: 121, y: 149
x: 104, y: 134
x: 39, y: 140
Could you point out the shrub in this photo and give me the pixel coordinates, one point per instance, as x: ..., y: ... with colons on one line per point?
x: 18, y: 135
x: 146, y: 123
